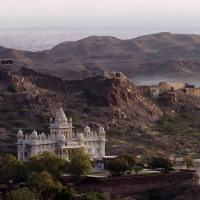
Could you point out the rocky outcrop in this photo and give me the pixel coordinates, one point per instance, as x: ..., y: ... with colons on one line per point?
x: 124, y: 101
x: 114, y: 94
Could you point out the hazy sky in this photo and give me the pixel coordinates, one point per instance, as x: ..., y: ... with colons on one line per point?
x: 78, y: 13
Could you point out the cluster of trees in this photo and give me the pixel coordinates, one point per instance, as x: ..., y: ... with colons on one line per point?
x: 43, y: 172
x: 151, y: 160
x: 42, y: 175
x: 123, y: 162
x: 164, y: 163
x: 128, y: 162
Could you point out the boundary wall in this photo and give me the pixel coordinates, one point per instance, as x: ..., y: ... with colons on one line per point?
x: 131, y: 185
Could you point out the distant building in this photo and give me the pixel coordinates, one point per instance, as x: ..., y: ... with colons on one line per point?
x: 180, y: 163
x: 61, y: 140
x: 7, y: 61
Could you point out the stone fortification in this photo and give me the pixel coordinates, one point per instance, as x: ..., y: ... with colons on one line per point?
x: 58, y: 84
x: 175, y: 85
x: 192, y: 91
x: 96, y: 82
x: 144, y: 90
x: 156, y: 90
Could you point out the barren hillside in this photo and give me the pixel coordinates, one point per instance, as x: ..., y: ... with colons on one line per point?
x: 162, y: 56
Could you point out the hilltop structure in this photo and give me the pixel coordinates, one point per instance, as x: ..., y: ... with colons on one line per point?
x: 61, y: 140
x: 168, y: 87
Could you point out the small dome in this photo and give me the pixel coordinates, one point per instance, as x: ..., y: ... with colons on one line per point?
x: 101, y: 129
x: 43, y: 134
x: 87, y: 128
x: 79, y: 136
x: 62, y: 137
x: 64, y: 120
x: 34, y: 133
x: 20, y: 132
x: 70, y: 119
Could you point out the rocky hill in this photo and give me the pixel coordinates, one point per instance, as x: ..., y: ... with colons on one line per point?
x: 133, y: 122
x: 146, y: 59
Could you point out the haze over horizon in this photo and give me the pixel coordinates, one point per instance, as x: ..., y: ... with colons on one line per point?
x: 47, y: 23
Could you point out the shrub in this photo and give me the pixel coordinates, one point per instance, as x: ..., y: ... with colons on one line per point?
x: 84, y: 116
x: 12, y: 135
x: 114, y: 133
x: 4, y: 94
x: 11, y: 115
x: 12, y: 146
x: 187, y: 117
x: 170, y: 124
x: 20, y: 123
x: 45, y: 110
x: 72, y: 114
x: 5, y: 109
x: 77, y: 125
x: 164, y: 120
x: 9, y: 151
x: 2, y: 124
x: 72, y: 106
x: 93, y: 196
x: 10, y: 140
x: 86, y: 109
x: 88, y: 93
x: 23, y: 111
x: 93, y: 119
x: 27, y: 130
x: 12, y: 88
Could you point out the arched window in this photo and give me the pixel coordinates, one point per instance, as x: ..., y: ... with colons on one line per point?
x: 21, y: 156
x: 25, y: 154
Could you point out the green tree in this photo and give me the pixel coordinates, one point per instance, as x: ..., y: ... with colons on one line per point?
x: 137, y: 169
x: 161, y: 162
x: 23, y: 111
x: 189, y: 161
x: 49, y: 162
x: 147, y: 157
x: 64, y: 193
x: 12, y: 88
x: 41, y: 184
x: 130, y: 158
x: 117, y: 166
x: 79, y: 163
x: 73, y: 114
x: 11, y: 168
x: 93, y: 196
x: 20, y: 194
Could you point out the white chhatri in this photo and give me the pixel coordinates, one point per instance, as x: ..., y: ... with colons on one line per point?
x: 61, y: 140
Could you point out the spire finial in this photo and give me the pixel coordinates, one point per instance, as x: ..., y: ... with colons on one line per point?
x: 60, y: 105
